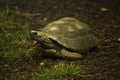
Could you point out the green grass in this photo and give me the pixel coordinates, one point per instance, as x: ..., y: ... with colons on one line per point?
x: 13, y: 43
x: 1, y: 77
x: 13, y: 37
x: 62, y: 70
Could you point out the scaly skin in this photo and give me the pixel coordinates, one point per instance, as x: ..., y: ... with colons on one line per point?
x: 34, y: 50
x: 70, y: 55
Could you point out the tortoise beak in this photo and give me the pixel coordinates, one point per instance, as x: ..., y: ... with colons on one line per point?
x: 34, y: 35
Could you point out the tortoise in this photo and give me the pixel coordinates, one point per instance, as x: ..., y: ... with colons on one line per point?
x: 66, y: 37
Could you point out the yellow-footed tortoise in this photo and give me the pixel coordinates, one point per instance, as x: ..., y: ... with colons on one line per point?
x: 66, y: 37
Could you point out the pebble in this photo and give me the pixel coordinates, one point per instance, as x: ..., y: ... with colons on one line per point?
x: 41, y: 63
x: 104, y: 9
x: 119, y: 39
x: 45, y: 19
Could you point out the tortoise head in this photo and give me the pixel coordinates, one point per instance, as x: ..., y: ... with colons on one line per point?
x: 42, y: 38
x: 39, y: 36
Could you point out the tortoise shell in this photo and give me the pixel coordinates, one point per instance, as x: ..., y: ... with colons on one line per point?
x: 71, y: 33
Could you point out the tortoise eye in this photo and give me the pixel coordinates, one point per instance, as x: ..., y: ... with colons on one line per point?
x: 34, y: 33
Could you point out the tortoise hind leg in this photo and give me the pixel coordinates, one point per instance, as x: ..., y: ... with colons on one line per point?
x: 68, y: 54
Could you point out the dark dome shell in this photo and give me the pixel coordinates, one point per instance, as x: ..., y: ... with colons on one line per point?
x: 71, y: 33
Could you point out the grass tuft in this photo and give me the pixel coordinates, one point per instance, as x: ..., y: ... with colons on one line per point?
x: 61, y: 70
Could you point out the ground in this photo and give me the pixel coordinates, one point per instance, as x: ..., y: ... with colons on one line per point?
x: 102, y: 63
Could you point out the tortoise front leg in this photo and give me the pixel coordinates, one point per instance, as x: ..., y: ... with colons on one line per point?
x: 34, y: 50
